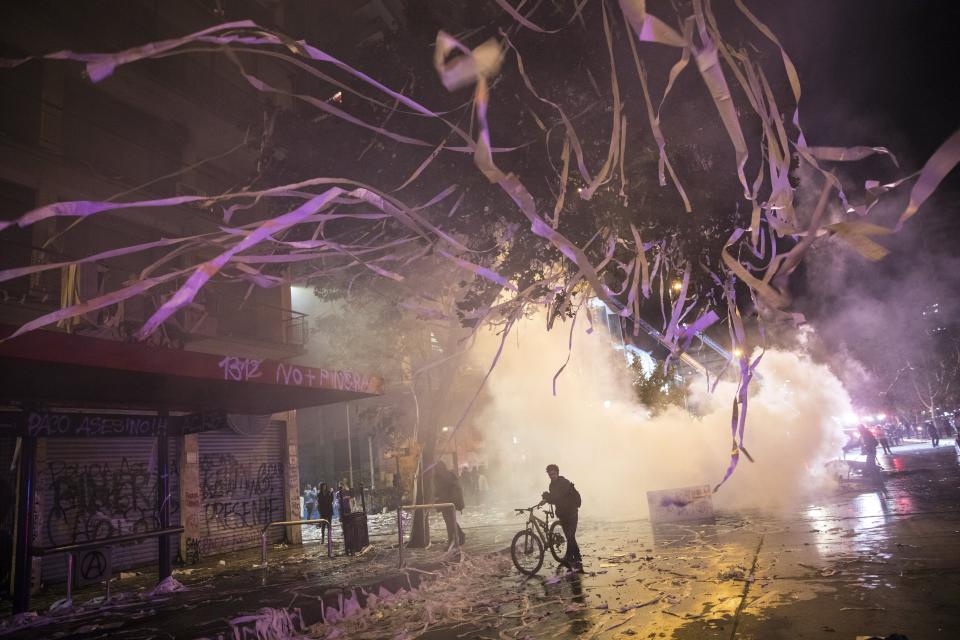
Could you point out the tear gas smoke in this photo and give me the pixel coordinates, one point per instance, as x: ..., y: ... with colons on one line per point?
x: 607, y: 444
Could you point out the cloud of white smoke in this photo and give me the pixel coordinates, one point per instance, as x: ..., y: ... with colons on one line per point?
x: 606, y: 443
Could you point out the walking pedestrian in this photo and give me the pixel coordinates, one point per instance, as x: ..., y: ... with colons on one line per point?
x: 934, y: 434
x: 884, y: 440
x: 325, y: 509
x: 565, y: 497
x: 446, y: 488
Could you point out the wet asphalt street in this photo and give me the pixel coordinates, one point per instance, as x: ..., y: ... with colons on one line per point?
x: 858, y: 564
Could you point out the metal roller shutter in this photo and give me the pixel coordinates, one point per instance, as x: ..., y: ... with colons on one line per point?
x: 96, y: 488
x: 8, y: 503
x: 241, y: 488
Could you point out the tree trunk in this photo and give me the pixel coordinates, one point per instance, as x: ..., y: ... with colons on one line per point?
x: 420, y: 531
x: 438, y: 397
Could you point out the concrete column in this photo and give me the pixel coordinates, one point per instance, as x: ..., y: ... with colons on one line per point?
x: 190, y: 509
x: 292, y: 472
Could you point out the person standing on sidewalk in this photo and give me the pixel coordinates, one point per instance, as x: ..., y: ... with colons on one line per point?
x: 310, y: 501
x: 344, y: 498
x: 325, y: 509
x: 934, y: 434
x: 446, y: 488
x: 565, y: 497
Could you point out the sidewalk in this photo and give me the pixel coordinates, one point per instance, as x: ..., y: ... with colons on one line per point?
x: 300, y: 580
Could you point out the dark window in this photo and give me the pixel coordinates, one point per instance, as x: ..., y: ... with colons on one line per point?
x: 15, y: 243
x: 20, y: 98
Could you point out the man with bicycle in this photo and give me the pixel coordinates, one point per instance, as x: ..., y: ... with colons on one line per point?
x: 565, y: 497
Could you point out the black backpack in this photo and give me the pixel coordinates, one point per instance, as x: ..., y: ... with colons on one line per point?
x: 575, y: 496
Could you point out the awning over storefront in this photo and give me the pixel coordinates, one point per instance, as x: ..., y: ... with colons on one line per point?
x: 51, y: 369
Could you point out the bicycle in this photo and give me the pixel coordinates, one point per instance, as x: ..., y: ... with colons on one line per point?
x: 527, y: 548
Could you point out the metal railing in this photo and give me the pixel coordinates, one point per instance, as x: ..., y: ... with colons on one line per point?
x: 243, y: 318
x: 77, y: 547
x: 419, y: 507
x: 263, y: 535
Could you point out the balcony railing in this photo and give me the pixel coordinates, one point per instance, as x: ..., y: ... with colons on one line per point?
x: 257, y: 321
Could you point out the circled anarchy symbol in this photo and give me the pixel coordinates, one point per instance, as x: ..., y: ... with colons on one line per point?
x: 93, y: 565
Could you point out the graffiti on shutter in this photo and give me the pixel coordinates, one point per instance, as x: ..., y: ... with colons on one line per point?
x: 96, y: 488
x: 241, y: 490
x: 93, y: 566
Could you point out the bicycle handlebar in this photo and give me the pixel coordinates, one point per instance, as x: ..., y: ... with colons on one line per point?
x: 536, y: 506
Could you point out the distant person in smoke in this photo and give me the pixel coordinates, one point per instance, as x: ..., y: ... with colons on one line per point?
x: 869, y: 444
x: 565, y: 497
x: 475, y: 479
x: 884, y: 440
x: 852, y: 443
x: 465, y: 482
x: 447, y: 488
x: 934, y: 434
x: 893, y: 433
x: 344, y: 497
x: 482, y: 485
x: 310, y: 501
x: 325, y: 508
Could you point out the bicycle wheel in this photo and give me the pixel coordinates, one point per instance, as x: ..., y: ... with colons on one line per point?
x: 527, y: 552
x: 557, y: 542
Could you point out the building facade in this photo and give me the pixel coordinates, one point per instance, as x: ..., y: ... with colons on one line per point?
x: 182, y: 125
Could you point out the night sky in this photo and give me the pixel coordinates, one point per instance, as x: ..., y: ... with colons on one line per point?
x: 881, y: 73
